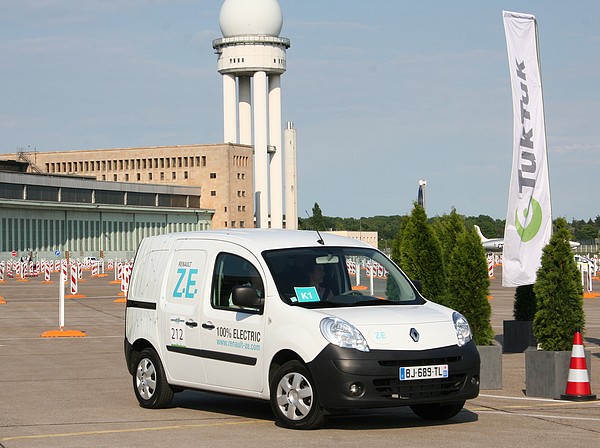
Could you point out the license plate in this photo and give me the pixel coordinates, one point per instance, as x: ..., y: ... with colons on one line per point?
x: 423, y: 372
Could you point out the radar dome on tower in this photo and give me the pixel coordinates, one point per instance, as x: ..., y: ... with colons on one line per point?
x: 250, y: 17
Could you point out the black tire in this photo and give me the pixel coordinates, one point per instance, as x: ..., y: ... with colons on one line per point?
x: 149, y: 381
x: 437, y: 411
x: 294, y: 397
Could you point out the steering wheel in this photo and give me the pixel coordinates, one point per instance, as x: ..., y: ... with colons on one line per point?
x: 352, y: 292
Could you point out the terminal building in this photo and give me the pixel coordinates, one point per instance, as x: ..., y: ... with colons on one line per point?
x: 224, y: 172
x: 49, y: 216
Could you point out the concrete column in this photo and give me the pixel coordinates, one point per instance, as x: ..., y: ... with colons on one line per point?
x: 245, y: 110
x: 276, y: 163
x: 291, y: 175
x: 229, y: 109
x: 261, y: 175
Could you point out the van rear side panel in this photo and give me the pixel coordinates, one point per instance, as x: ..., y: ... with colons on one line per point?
x: 144, y: 295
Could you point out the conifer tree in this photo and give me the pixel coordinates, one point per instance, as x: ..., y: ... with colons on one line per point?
x: 468, y: 284
x: 417, y: 251
x: 447, y: 229
x: 559, y: 294
x: 318, y: 222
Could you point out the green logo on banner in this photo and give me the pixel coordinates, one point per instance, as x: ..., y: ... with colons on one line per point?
x: 529, y: 232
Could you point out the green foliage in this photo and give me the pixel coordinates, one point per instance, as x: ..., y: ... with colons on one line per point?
x: 491, y: 228
x: 447, y: 228
x: 587, y: 232
x: 559, y: 294
x: 417, y: 251
x: 317, y: 220
x: 468, y: 283
x: 387, y: 227
x: 524, y: 306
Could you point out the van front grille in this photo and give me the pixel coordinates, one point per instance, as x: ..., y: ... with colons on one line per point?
x: 393, y: 388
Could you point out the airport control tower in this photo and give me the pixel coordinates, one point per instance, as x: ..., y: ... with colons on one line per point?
x: 251, y: 58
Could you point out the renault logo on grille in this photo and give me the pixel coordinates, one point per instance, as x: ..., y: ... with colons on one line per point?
x: 414, y: 334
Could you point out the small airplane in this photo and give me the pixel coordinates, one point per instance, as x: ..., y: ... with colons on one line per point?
x: 497, y: 244
x: 490, y: 244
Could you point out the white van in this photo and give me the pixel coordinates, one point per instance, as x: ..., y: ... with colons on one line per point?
x: 314, y: 323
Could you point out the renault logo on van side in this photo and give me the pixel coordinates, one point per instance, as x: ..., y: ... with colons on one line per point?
x: 414, y: 334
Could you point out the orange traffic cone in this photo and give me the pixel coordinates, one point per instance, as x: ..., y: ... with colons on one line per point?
x: 578, y: 382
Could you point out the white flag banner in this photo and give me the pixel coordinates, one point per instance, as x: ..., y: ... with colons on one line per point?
x: 529, y: 216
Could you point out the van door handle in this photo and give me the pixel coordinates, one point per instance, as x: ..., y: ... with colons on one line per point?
x: 191, y: 323
x: 208, y: 326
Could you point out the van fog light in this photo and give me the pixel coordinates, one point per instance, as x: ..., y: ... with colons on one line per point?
x: 475, y: 380
x: 356, y: 389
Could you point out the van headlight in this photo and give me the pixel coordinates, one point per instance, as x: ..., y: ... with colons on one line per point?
x: 343, y: 334
x: 463, y: 331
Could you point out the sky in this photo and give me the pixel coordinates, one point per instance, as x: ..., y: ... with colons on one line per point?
x: 382, y: 93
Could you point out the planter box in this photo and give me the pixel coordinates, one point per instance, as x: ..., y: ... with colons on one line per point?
x: 491, y: 367
x: 518, y: 336
x: 546, y: 373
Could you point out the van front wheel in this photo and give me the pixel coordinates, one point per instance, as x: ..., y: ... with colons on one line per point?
x: 149, y: 381
x: 294, y: 397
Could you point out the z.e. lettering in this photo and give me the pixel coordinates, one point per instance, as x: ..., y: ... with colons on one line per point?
x: 184, y: 288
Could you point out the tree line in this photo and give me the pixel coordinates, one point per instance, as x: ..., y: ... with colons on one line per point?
x: 388, y: 226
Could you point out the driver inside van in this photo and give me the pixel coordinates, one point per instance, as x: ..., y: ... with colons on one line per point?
x: 315, y: 274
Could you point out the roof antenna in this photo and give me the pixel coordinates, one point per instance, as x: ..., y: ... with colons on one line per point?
x: 320, y: 240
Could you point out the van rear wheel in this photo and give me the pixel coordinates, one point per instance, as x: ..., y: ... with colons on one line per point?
x: 294, y: 397
x: 150, y: 382
x: 437, y: 411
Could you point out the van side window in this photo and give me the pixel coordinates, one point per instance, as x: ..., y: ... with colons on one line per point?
x: 233, y: 270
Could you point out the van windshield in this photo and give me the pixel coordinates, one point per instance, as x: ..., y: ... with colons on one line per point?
x: 324, y: 277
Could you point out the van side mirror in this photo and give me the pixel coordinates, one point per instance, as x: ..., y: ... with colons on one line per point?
x: 245, y: 296
x: 418, y: 285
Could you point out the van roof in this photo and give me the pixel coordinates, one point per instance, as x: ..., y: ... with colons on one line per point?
x: 264, y: 239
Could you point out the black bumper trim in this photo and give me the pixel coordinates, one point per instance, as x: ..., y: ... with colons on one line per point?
x: 335, y: 369
x: 209, y: 354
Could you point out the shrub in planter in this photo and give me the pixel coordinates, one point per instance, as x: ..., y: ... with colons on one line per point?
x: 559, y: 294
x: 468, y: 285
x: 467, y: 289
x: 518, y: 333
x: 559, y: 297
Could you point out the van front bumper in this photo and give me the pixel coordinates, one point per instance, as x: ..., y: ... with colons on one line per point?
x: 347, y: 378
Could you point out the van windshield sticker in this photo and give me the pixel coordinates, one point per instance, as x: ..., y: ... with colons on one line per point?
x: 185, y: 283
x: 307, y: 294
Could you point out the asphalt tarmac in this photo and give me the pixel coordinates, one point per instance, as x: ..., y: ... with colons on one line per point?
x: 77, y: 392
